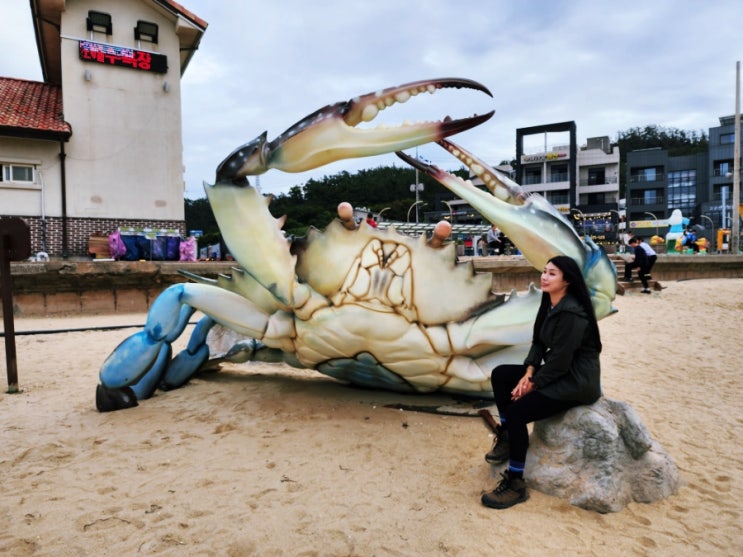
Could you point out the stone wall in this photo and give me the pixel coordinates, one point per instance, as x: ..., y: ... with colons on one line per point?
x: 61, y: 287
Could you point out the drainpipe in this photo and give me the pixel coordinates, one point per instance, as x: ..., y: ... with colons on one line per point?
x: 63, y: 176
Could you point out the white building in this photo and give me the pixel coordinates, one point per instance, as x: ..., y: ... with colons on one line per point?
x: 97, y: 146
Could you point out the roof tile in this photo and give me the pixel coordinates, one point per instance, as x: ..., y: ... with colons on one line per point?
x: 31, y: 106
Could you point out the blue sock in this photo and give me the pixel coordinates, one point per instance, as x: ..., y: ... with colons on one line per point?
x: 516, y: 468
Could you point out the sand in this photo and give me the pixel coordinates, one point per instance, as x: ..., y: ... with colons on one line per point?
x: 266, y: 460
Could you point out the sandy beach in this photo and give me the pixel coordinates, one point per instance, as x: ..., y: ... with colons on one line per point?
x: 260, y: 459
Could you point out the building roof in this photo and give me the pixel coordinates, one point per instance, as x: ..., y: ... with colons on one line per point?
x: 32, y: 109
x: 47, y: 20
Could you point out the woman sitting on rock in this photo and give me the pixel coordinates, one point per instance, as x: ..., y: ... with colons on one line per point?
x: 562, y: 370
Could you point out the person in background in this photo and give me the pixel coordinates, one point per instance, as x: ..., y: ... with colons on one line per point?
x: 640, y: 262
x: 370, y: 220
x: 482, y: 245
x: 561, y: 370
x: 650, y: 252
x: 691, y: 240
x: 494, y: 242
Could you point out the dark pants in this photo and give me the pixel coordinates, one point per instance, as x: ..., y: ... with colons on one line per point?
x: 642, y: 272
x: 519, y: 413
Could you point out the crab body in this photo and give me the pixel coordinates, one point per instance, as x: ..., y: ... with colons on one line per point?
x: 369, y: 306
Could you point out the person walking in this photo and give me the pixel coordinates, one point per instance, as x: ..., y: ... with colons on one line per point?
x: 561, y: 370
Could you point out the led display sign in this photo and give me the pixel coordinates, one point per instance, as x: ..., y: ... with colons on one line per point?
x: 121, y: 56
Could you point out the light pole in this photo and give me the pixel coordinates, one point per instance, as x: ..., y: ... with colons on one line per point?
x: 656, y: 222
x: 416, y: 211
x: 379, y: 215
x: 582, y: 220
x: 709, y: 219
x: 451, y: 211
x: 417, y: 188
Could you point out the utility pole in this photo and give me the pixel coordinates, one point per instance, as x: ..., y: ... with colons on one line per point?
x: 735, y: 230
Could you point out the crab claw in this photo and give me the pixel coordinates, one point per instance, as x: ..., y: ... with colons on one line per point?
x: 330, y: 134
x: 538, y: 229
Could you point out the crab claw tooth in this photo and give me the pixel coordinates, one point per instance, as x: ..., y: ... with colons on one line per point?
x: 330, y: 133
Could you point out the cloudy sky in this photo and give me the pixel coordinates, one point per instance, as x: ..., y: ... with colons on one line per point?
x: 609, y: 66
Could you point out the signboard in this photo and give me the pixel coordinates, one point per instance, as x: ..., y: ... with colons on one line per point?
x: 121, y: 56
x: 541, y: 157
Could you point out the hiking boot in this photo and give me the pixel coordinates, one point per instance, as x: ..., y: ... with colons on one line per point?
x: 510, y: 492
x: 499, y: 453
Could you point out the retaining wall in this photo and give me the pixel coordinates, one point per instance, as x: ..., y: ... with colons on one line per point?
x: 61, y: 287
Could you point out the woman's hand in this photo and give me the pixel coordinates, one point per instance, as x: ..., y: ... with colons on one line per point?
x: 524, y: 387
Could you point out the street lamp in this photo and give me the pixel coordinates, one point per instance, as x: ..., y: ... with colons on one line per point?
x: 656, y: 222
x: 417, y: 188
x: 451, y: 211
x: 379, y: 215
x: 582, y: 220
x: 416, y: 211
x: 710, y: 220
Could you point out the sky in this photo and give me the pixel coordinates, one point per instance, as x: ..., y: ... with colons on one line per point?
x: 608, y: 66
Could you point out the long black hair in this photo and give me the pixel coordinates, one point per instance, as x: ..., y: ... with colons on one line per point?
x: 577, y: 289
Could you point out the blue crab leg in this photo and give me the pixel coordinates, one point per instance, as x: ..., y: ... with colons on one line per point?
x: 141, y: 363
x: 331, y: 134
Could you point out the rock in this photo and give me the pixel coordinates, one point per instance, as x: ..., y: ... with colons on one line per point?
x: 599, y: 457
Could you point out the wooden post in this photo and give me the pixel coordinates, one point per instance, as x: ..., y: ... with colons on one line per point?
x: 15, y: 244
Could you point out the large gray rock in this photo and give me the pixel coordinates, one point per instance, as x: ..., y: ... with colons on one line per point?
x: 599, y: 457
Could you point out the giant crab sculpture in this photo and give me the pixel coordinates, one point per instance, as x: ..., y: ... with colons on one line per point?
x: 368, y: 306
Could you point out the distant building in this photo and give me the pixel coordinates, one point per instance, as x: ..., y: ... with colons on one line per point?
x: 658, y: 183
x: 98, y: 144
x: 582, y: 182
x: 717, y: 203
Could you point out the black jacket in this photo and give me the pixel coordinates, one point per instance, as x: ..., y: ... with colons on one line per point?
x: 565, y: 355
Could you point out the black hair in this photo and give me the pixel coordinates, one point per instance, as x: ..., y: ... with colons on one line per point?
x: 577, y: 288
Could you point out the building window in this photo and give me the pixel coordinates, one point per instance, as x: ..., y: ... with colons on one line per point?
x: 727, y: 138
x: 598, y: 198
x: 17, y: 173
x: 146, y: 31
x: 557, y: 197
x: 558, y: 173
x: 596, y: 176
x: 532, y: 176
x: 100, y: 22
x: 682, y: 190
x: 722, y: 168
x: 649, y: 174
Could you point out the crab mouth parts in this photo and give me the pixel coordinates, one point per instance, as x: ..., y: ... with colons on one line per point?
x: 380, y: 279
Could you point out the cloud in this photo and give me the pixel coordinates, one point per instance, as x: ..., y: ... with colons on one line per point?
x: 607, y: 66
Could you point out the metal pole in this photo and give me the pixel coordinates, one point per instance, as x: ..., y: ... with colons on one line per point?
x: 735, y: 230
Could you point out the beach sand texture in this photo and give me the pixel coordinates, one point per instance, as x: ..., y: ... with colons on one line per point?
x: 262, y: 459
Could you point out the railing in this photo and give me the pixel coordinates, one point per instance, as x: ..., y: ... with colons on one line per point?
x: 659, y: 200
x: 659, y: 177
x: 593, y: 182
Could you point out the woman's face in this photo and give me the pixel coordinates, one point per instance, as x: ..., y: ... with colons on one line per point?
x: 553, y: 281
